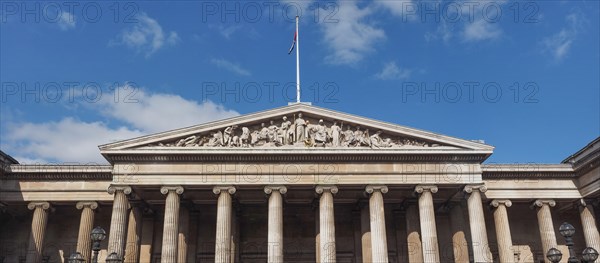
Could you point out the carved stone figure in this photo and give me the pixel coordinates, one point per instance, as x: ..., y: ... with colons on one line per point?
x: 348, y: 137
x: 300, y: 128
x: 285, y: 133
x: 255, y: 137
x: 359, y: 137
x: 335, y: 134
x: 264, y: 133
x: 216, y: 140
x: 228, y: 135
x: 273, y: 132
x: 188, y: 142
x: 376, y: 141
x: 245, y: 137
x: 320, y: 133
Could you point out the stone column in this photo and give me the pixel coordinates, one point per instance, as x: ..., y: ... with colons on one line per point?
x: 118, y: 221
x: 38, y: 230
x: 378, y: 235
x: 505, y: 250
x: 459, y: 237
x: 134, y: 234
x: 86, y: 224
x: 546, y: 225
x: 223, y: 237
x: 192, y: 237
x: 275, y: 236
x: 365, y: 230
x: 430, y: 247
x: 147, y: 236
x: 479, y: 238
x: 317, y: 234
x: 171, y: 223
x: 413, y: 237
x: 183, y: 235
x: 590, y: 229
x: 235, y: 232
x: 326, y: 223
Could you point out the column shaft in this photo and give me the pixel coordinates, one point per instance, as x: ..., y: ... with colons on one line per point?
x: 327, y: 224
x: 275, y: 235
x: 134, y: 234
x: 38, y: 231
x: 365, y: 229
x: 182, y: 242
x: 86, y: 223
x: 147, y: 238
x: 459, y: 238
x: 170, y: 236
x: 590, y: 229
x: 317, y: 235
x: 503, y: 236
x: 546, y: 225
x: 431, y: 253
x: 479, y: 238
x: 118, y: 221
x: 223, y: 233
x: 413, y: 237
x: 378, y: 232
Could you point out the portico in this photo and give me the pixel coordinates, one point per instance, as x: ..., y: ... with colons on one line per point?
x: 239, y: 191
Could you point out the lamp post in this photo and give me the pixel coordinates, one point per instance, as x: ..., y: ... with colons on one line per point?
x: 567, y: 230
x: 113, y: 258
x: 76, y: 258
x: 98, y: 234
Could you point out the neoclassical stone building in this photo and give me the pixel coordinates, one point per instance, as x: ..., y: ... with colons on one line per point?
x: 299, y: 184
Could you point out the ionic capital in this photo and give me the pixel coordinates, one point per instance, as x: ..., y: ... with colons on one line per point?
x: 542, y: 202
x: 119, y: 188
x: 372, y: 188
x: 91, y: 204
x: 426, y: 188
x: 34, y: 205
x: 470, y: 188
x: 168, y: 188
x: 584, y: 202
x: 329, y: 188
x: 270, y: 188
x: 226, y: 188
x: 498, y: 202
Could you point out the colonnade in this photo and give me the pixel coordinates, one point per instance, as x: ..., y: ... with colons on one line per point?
x: 420, y: 219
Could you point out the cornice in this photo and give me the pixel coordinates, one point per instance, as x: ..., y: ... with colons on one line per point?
x: 527, y: 170
x: 54, y: 172
x: 301, y: 156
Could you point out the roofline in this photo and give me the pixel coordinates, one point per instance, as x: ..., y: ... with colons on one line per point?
x: 589, y: 145
x: 297, y: 106
x: 10, y: 158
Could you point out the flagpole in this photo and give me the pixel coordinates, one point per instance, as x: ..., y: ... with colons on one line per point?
x: 297, y: 62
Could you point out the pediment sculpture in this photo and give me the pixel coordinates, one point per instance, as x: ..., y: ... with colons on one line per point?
x: 299, y: 131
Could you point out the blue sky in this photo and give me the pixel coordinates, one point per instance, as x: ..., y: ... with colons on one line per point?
x: 523, y: 76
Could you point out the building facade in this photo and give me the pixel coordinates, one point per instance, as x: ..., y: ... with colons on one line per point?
x: 299, y: 184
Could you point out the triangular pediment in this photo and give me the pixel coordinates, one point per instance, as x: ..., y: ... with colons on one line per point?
x: 297, y: 126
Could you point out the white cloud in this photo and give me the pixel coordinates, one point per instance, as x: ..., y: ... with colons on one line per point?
x: 473, y: 22
x: 73, y: 140
x: 146, y: 36
x: 66, y: 21
x: 391, y: 71
x: 480, y: 30
x: 350, y: 38
x: 227, y: 31
x: 559, y: 44
x: 396, y: 7
x: 230, y: 66
x: 67, y: 140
